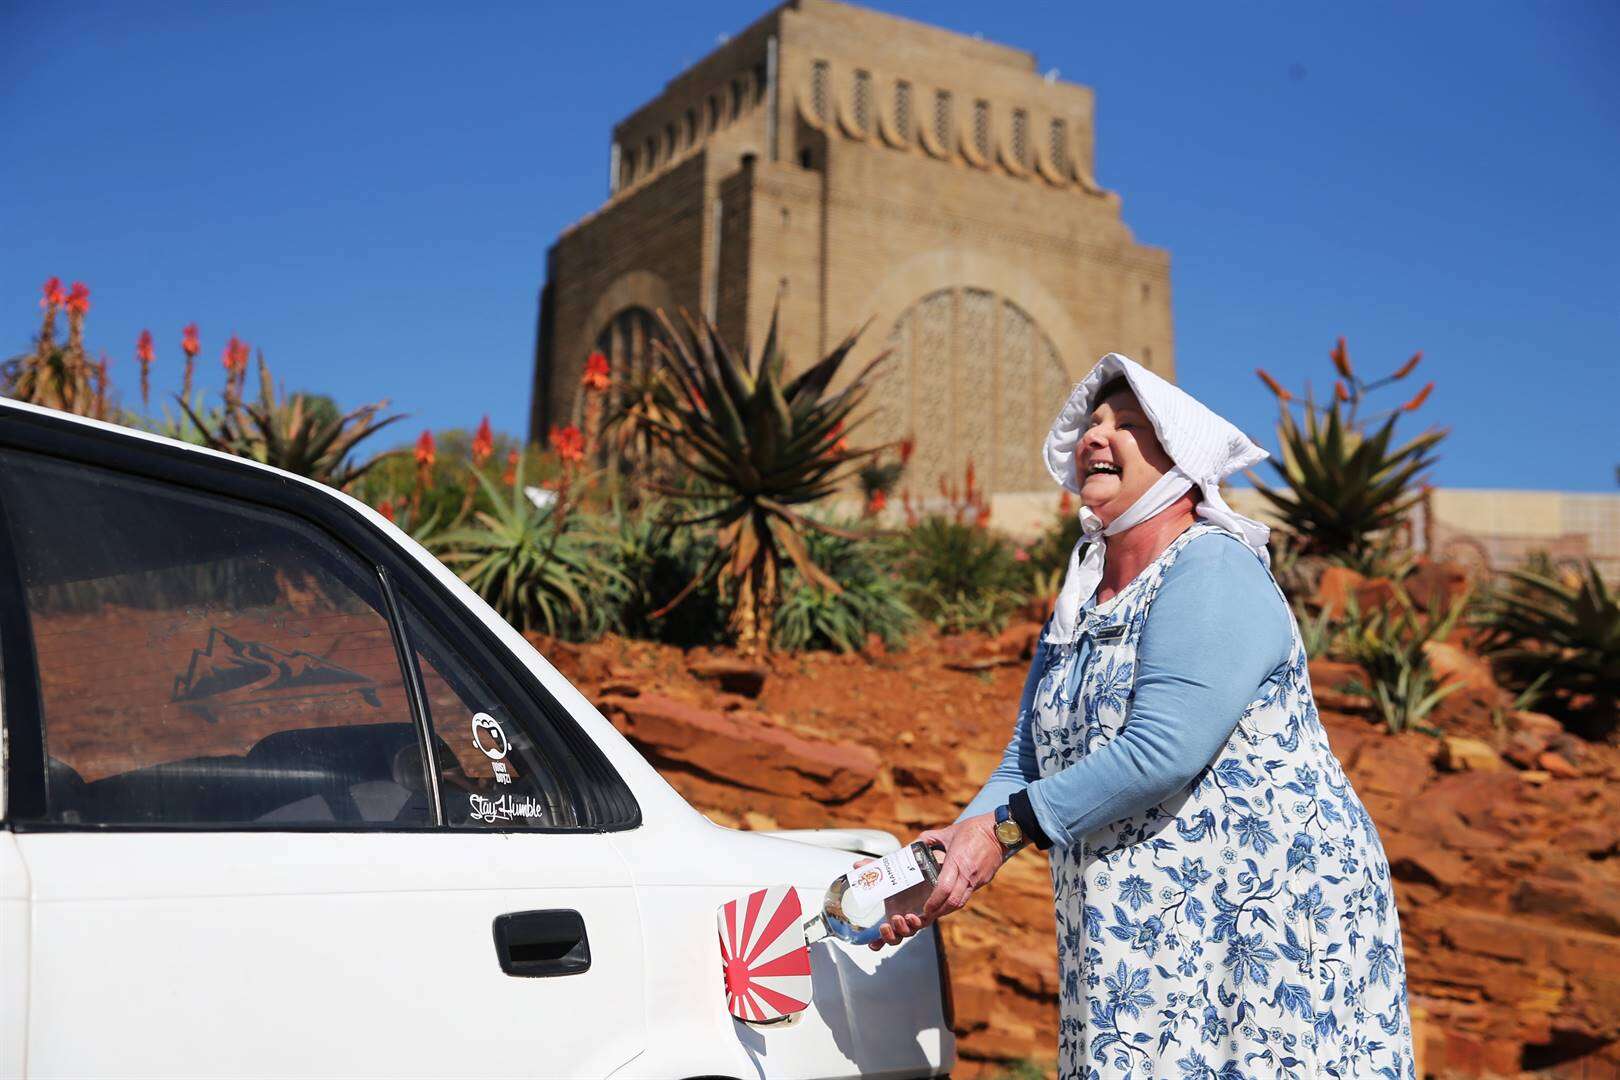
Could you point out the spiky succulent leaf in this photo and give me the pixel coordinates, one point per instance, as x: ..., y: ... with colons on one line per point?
x: 761, y: 446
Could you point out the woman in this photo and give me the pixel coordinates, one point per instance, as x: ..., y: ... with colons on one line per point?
x: 1224, y: 907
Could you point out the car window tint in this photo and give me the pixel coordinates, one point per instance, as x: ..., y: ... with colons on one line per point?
x: 496, y: 768
x: 204, y: 661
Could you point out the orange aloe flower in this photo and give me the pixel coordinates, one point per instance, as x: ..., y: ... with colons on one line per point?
x: 1273, y: 385
x: 1418, y: 399
x: 143, y: 353
x: 835, y: 437
x: 229, y: 358
x: 483, y: 444
x: 1066, y: 503
x: 597, y: 372
x: 1406, y: 369
x: 1341, y: 359
x: 568, y: 443
x: 78, y: 301
x: 427, y: 451
x: 55, y: 297
x: 386, y: 509
x: 908, y: 446
x: 876, y: 503
x: 1340, y: 391
x: 188, y: 340
x: 509, y: 477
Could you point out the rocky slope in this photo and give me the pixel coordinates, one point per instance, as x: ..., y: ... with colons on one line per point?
x: 1503, y: 836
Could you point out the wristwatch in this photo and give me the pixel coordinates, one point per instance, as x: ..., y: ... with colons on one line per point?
x: 1009, y: 834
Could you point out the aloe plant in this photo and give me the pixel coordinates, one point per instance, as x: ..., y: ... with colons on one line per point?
x: 869, y: 603
x: 300, y: 433
x: 957, y: 575
x: 541, y: 567
x: 1564, y: 632
x: 59, y: 375
x: 1345, y: 485
x: 761, y: 448
x: 1389, y: 644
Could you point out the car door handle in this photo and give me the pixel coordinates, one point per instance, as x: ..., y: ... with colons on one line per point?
x: 537, y: 944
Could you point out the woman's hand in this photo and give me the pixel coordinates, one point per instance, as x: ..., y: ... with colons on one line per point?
x: 972, y: 857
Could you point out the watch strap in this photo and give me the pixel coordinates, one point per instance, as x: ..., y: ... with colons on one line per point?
x: 1023, y: 812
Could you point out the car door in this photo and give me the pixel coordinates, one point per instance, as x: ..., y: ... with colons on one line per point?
x: 283, y: 811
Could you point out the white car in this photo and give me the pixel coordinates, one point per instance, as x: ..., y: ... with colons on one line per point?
x: 283, y: 797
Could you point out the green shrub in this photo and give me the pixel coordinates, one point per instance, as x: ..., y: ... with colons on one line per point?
x: 657, y: 559
x: 957, y: 575
x: 301, y: 433
x: 542, y: 568
x: 871, y: 602
x: 1558, y: 637
x: 1389, y: 643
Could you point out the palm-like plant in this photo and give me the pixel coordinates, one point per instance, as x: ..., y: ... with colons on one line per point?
x: 1565, y: 633
x: 762, y: 447
x: 1345, y: 487
x: 302, y: 434
x: 538, y: 566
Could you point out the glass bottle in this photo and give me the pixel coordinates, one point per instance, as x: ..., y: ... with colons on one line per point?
x: 860, y: 902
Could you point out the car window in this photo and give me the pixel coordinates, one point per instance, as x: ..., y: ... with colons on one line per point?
x: 497, y: 768
x: 204, y: 661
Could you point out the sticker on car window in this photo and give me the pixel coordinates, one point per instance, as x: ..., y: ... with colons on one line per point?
x: 491, y: 740
x: 505, y: 808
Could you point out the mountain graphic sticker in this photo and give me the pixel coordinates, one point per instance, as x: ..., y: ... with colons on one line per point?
x: 230, y: 671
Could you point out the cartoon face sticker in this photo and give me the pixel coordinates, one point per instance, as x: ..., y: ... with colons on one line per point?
x: 488, y: 736
x: 868, y: 878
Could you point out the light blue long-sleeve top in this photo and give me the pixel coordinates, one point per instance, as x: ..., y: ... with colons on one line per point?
x: 1215, y: 633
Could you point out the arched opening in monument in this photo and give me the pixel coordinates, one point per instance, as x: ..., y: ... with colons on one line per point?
x: 973, y: 377
x: 627, y: 340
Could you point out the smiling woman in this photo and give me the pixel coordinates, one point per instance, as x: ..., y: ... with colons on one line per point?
x: 1224, y: 903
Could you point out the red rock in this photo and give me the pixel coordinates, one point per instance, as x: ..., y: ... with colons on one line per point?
x: 1574, y: 895
x: 1436, y: 584
x: 1336, y: 585
x: 1539, y: 724
x: 1555, y: 763
x: 914, y: 777
x: 1392, y: 765
x: 1375, y: 594
x: 747, y: 755
x: 1523, y: 748
x: 1461, y: 754
x: 1453, y: 664
x: 1418, y: 858
x: 1018, y: 640
x: 734, y: 675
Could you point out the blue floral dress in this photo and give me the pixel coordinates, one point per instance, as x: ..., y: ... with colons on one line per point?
x: 1245, y: 927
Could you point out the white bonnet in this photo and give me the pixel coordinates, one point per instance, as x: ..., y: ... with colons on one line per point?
x: 1204, y: 445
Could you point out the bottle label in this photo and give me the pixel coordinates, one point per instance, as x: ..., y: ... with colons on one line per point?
x: 875, y: 882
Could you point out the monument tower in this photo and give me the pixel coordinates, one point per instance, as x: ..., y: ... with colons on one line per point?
x: 865, y: 167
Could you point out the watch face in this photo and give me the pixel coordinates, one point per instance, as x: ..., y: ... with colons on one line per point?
x: 1008, y: 832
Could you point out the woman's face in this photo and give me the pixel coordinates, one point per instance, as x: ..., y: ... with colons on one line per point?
x: 1118, y: 457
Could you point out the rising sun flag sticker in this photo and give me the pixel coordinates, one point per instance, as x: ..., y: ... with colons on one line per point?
x: 763, y: 955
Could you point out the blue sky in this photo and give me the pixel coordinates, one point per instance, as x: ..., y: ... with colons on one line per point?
x: 367, y: 190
